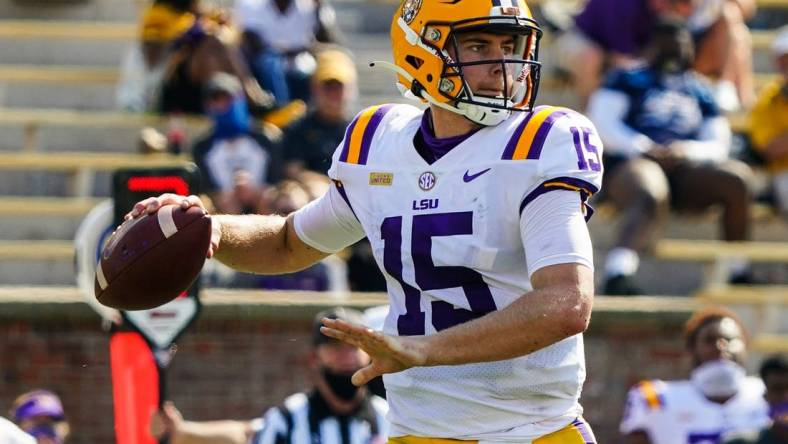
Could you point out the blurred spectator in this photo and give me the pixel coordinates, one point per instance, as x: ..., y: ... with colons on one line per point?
x: 774, y: 373
x: 10, y: 433
x: 236, y: 160
x: 277, y: 38
x: 769, y: 123
x: 142, y: 68
x: 310, y: 142
x: 40, y: 414
x: 718, y: 397
x: 334, y: 411
x: 612, y: 34
x: 724, y: 49
x: 205, y: 49
x: 665, y: 143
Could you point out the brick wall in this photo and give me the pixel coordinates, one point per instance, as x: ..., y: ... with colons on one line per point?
x: 236, y: 364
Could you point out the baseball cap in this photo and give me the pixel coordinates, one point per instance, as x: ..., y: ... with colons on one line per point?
x: 37, y: 403
x: 780, y: 43
x: 334, y: 64
x: 342, y: 313
x: 223, y: 82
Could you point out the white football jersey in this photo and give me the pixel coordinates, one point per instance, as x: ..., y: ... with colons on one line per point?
x: 447, y: 236
x: 676, y: 412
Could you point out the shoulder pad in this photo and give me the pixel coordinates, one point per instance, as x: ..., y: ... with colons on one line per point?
x: 652, y: 392
x: 529, y: 136
x: 359, y: 134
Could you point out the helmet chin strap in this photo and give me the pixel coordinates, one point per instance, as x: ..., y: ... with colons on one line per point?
x: 475, y: 113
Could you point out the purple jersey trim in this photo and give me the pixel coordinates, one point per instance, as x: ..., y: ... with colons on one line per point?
x: 508, y: 153
x: 346, y: 145
x: 541, y: 134
x: 341, y: 188
x: 369, y: 132
x: 586, y: 190
x: 585, y: 431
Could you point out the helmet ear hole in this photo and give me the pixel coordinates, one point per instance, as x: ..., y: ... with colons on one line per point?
x: 414, y: 61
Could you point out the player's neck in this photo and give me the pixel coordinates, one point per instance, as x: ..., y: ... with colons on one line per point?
x: 448, y: 124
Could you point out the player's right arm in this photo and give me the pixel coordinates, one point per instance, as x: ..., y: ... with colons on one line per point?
x: 265, y: 244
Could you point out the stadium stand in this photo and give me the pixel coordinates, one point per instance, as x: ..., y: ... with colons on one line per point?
x: 57, y: 116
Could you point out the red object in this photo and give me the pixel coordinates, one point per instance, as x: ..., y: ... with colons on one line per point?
x: 135, y: 387
x: 158, y: 184
x: 151, y: 260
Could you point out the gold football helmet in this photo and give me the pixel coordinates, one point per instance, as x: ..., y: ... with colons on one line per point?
x: 423, y: 31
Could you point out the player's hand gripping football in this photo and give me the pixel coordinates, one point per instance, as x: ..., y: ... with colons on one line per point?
x: 389, y: 354
x: 152, y: 205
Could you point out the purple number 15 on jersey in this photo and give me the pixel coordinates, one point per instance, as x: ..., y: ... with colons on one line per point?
x: 431, y: 277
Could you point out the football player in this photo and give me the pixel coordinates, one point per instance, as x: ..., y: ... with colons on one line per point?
x: 716, y: 400
x: 475, y: 209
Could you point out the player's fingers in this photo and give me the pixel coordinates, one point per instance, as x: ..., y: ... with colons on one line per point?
x: 139, y: 208
x: 192, y: 201
x: 340, y: 335
x: 346, y: 327
x: 365, y: 375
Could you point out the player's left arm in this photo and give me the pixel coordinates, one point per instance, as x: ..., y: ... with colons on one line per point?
x: 557, y: 308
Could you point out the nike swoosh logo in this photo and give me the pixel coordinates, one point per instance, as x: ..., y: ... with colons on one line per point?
x: 468, y: 177
x: 452, y: 2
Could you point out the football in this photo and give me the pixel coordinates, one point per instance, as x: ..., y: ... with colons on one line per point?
x: 151, y: 260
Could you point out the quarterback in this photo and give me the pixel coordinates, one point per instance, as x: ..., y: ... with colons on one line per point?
x: 476, y: 212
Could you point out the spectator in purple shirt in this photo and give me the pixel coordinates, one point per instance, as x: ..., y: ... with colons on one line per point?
x: 611, y: 34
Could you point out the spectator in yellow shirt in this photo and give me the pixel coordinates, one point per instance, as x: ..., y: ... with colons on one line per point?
x: 769, y: 122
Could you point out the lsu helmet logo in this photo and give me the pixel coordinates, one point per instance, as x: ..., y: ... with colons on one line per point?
x: 410, y: 9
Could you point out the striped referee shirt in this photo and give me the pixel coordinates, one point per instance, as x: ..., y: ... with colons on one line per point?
x: 307, y: 419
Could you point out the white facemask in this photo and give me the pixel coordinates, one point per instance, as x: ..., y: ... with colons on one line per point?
x: 718, y: 379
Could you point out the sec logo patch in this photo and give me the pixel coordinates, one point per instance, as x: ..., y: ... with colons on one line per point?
x: 427, y: 181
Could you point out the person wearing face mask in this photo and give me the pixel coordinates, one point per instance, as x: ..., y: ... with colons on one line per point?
x: 666, y: 146
x: 333, y: 411
x: 774, y: 372
x: 40, y: 414
x: 718, y: 398
x: 236, y: 160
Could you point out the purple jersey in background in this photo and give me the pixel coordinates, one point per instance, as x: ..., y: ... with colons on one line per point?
x: 622, y: 26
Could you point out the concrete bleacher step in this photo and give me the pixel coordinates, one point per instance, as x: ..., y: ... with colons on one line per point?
x: 42, y: 218
x: 63, y: 51
x: 84, y: 10
x: 68, y: 130
x: 75, y: 174
x: 48, y: 262
x: 64, y: 96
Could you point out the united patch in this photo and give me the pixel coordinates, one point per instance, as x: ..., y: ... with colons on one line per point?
x: 381, y: 179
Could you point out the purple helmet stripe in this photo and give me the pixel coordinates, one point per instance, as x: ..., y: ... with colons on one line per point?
x: 541, y: 134
x: 369, y: 132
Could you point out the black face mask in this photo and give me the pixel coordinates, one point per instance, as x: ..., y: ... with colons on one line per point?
x: 340, y: 384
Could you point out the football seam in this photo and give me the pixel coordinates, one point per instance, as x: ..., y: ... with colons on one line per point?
x: 153, y: 246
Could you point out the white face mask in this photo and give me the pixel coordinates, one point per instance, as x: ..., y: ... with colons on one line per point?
x: 718, y: 379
